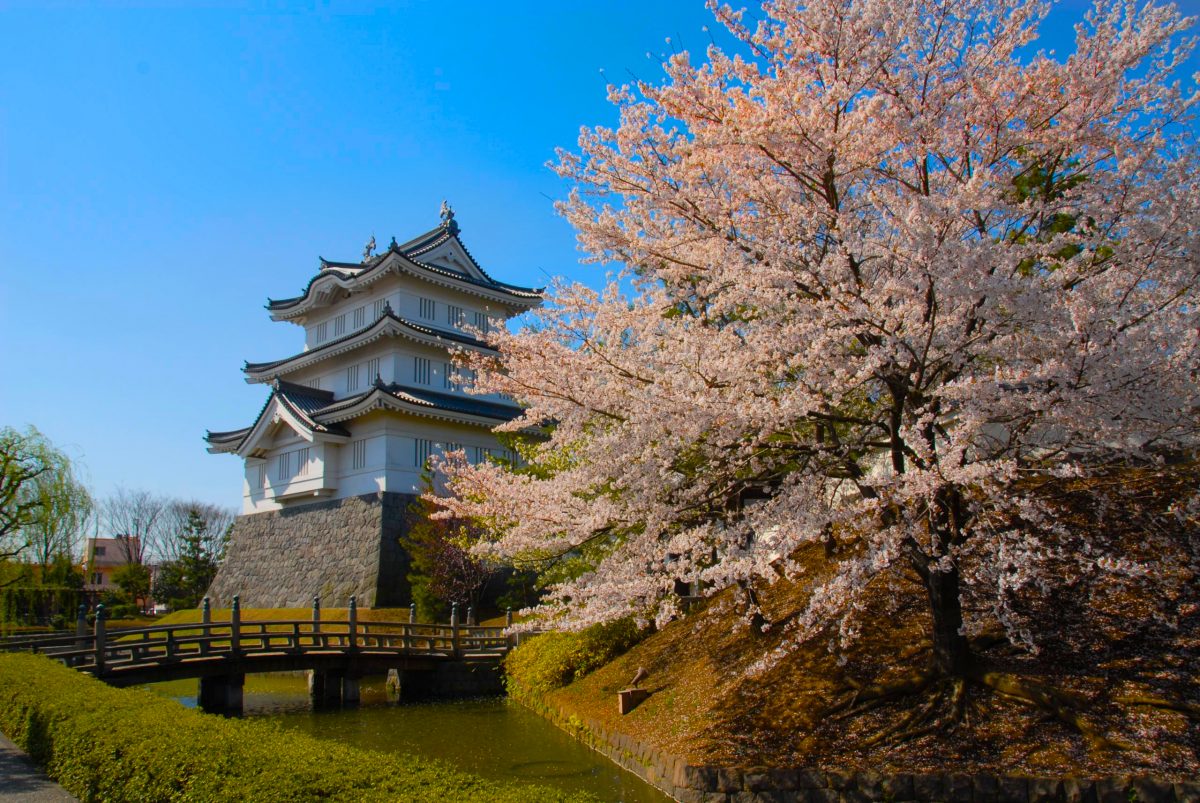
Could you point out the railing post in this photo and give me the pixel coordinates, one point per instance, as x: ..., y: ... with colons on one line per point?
x: 100, y: 627
x: 471, y: 616
x: 412, y: 613
x: 508, y: 638
x: 454, y: 629
x: 316, y: 621
x: 206, y: 620
x: 353, y: 619
x: 235, y: 625
x: 508, y: 617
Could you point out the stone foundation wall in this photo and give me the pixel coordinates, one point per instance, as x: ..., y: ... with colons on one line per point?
x: 334, y: 549
x: 690, y: 783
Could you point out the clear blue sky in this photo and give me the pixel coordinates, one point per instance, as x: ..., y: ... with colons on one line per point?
x: 164, y: 171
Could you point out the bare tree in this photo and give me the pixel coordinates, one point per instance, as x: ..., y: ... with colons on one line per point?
x: 135, y: 519
x: 175, y: 524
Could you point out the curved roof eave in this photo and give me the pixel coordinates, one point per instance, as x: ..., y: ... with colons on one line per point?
x: 284, y: 309
x: 429, y: 335
x: 379, y: 397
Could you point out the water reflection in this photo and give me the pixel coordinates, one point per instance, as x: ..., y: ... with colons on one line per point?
x: 490, y: 737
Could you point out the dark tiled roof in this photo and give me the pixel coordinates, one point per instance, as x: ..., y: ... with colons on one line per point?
x: 226, y: 437
x: 432, y: 331
x: 422, y: 397
x: 410, y: 251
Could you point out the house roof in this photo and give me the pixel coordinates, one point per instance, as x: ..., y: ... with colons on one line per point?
x: 406, y: 258
x: 388, y: 324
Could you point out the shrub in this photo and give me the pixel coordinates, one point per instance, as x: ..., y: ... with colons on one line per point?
x: 112, y: 744
x: 552, y: 660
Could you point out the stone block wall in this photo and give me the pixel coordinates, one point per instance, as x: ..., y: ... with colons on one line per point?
x: 334, y: 549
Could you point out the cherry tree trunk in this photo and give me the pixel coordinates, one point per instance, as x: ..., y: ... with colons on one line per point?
x: 951, y: 650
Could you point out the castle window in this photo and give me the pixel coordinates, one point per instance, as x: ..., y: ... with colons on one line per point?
x: 302, y: 462
x: 453, y: 447
x: 314, y: 383
x: 359, y: 457
x: 283, y: 466
x: 455, y: 316
x: 360, y: 317
x: 339, y: 325
x: 477, y: 454
x: 372, y: 369
x: 352, y: 377
x: 421, y: 370
x: 482, y: 322
x: 322, y: 332
x: 428, y: 309
x: 378, y: 309
x: 447, y: 375
x: 262, y: 475
x: 422, y: 448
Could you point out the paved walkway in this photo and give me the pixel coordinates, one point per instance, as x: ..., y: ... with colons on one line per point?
x: 22, y: 782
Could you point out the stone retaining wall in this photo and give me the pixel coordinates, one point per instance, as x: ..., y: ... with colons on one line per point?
x: 690, y: 783
x: 334, y: 549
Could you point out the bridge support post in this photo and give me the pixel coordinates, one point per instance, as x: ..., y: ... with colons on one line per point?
x: 325, y: 688
x: 222, y: 694
x: 206, y: 620
x: 101, y: 615
x: 349, y: 689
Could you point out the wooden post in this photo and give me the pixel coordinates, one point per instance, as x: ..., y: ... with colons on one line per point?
x: 100, y: 626
x: 508, y: 637
x: 316, y: 621
x: 508, y: 617
x: 206, y: 620
x: 80, y: 634
x: 412, y: 613
x: 454, y: 629
x: 235, y: 625
x: 353, y: 621
x: 471, y: 616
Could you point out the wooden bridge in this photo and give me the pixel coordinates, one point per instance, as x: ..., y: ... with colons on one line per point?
x: 423, y: 659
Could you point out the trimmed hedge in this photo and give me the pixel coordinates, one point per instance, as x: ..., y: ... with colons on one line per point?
x: 106, y: 744
x: 553, y: 660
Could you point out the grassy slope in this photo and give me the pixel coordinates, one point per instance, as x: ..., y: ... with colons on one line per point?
x: 710, y: 706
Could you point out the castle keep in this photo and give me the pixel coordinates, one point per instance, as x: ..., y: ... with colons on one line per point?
x: 335, y: 456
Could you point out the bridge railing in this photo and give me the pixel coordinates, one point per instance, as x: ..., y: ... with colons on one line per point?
x: 101, y: 652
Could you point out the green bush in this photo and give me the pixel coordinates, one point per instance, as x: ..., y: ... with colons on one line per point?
x: 106, y: 744
x: 552, y: 660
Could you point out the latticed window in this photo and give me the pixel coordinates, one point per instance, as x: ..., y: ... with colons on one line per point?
x: 447, y: 375
x: 283, y: 466
x: 421, y: 370
x: 477, y: 454
x: 428, y: 309
x: 372, y: 369
x: 455, y: 316
x: 321, y: 333
x: 422, y: 448
x: 352, y: 377
x: 358, y: 457
x: 302, y: 462
x: 378, y: 309
x: 339, y: 326
x: 360, y: 317
x: 482, y: 322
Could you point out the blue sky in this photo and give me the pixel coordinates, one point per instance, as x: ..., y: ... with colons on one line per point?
x: 164, y: 170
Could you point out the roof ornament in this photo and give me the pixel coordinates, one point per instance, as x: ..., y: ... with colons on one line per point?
x: 447, y: 216
x: 378, y: 383
x: 394, y: 246
x: 387, y: 309
x: 369, y: 248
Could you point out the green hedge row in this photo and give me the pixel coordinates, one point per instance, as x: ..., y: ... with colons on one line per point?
x: 106, y: 744
x: 553, y: 660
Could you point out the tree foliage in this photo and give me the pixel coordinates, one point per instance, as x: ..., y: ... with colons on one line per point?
x: 183, y: 581
x: 442, y: 571
x: 43, y: 505
x: 882, y: 265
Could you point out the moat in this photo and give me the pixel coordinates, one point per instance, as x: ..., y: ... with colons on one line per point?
x: 491, y: 737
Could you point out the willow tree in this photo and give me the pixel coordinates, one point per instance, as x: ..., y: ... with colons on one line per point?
x: 880, y: 264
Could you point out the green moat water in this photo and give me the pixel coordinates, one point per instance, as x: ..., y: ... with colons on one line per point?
x: 490, y: 737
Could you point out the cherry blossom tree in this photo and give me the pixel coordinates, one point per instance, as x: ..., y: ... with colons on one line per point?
x: 879, y: 267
